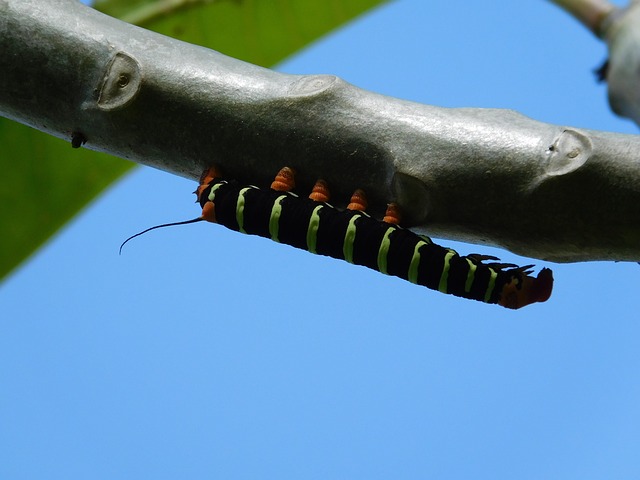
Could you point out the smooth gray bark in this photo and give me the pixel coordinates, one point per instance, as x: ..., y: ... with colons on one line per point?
x: 485, y: 176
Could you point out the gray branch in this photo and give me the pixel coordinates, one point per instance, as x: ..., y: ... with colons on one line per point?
x: 480, y: 175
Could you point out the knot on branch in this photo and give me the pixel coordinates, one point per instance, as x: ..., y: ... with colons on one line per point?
x: 121, y: 82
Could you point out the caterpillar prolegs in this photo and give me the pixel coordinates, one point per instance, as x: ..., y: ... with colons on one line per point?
x: 354, y: 236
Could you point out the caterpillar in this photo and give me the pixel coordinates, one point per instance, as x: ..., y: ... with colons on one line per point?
x: 352, y: 235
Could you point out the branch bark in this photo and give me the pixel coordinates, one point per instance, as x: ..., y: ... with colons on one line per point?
x: 479, y: 175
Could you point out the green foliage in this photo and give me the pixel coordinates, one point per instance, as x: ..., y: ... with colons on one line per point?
x: 45, y: 182
x: 262, y: 32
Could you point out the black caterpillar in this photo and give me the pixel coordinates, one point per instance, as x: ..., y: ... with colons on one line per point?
x: 352, y: 235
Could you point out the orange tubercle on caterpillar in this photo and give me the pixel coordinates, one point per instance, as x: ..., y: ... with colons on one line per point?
x: 285, y: 180
x: 526, y: 290
x: 209, y: 212
x: 320, y: 192
x: 392, y: 215
x: 208, y: 176
x: 358, y: 201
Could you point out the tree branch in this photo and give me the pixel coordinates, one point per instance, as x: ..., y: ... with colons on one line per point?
x: 479, y: 175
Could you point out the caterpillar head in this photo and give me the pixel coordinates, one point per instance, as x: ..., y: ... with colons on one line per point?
x: 208, y: 176
x: 523, y: 290
x: 208, y: 209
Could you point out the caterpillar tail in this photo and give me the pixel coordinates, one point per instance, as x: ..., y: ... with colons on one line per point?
x: 524, y: 290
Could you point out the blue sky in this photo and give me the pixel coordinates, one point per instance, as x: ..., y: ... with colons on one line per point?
x: 202, y: 353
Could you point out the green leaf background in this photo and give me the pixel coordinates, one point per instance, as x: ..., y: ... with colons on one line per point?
x: 45, y: 182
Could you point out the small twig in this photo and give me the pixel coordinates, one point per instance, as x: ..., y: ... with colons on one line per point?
x: 152, y: 11
x: 589, y: 12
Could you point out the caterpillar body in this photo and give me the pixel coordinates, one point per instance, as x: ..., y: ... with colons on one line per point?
x: 354, y: 236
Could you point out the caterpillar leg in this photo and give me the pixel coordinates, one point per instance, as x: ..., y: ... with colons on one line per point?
x: 479, y: 257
